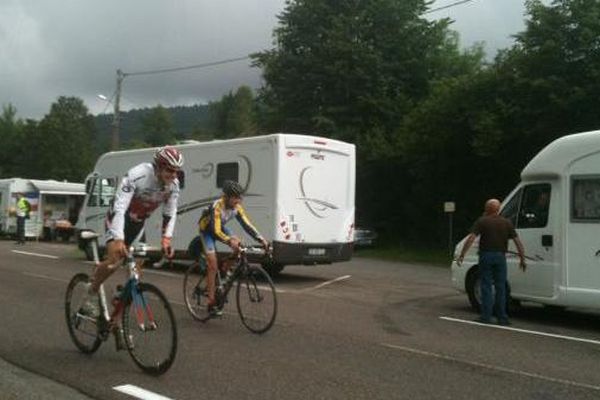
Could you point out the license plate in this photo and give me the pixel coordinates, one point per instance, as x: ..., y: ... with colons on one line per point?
x: 316, y: 252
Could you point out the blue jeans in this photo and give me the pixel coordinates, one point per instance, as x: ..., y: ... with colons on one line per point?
x: 492, y: 267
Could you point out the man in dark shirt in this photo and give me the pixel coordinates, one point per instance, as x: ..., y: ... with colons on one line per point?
x: 494, y: 231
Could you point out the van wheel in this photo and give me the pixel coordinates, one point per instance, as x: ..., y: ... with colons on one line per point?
x: 273, y: 269
x: 473, y: 287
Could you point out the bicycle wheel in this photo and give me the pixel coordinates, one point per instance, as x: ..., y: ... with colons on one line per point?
x: 82, y: 329
x: 150, y: 331
x: 256, y: 300
x: 194, y: 292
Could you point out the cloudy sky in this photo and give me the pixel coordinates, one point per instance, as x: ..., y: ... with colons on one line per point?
x: 74, y: 47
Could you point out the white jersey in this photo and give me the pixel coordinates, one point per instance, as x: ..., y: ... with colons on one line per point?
x: 138, y: 195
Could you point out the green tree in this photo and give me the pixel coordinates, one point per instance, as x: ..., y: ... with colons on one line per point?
x: 10, y: 141
x: 63, y: 142
x: 241, y: 120
x: 359, y: 64
x: 234, y: 115
x: 158, y: 127
x: 470, y: 138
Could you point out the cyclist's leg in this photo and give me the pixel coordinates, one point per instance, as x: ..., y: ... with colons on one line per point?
x: 113, y: 257
x: 208, y: 242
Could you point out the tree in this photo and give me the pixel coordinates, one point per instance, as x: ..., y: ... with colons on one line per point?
x: 10, y: 135
x: 360, y: 64
x: 471, y: 137
x: 158, y: 127
x: 234, y: 115
x: 62, y: 144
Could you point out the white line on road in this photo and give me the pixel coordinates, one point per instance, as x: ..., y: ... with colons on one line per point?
x: 492, y: 367
x: 319, y: 286
x: 34, y: 254
x: 139, y: 392
x: 508, y: 328
x: 44, y: 277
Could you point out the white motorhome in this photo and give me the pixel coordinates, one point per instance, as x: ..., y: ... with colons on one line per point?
x: 556, y: 210
x: 299, y: 193
x: 50, y: 200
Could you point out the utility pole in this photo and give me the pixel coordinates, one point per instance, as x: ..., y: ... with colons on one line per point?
x: 116, y: 116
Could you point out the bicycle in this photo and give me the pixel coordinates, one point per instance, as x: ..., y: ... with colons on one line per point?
x: 256, y: 305
x: 147, y: 326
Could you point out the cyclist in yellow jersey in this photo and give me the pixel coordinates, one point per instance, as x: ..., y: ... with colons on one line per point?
x: 212, y: 228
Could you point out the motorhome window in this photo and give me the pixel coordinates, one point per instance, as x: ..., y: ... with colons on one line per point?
x: 107, y: 191
x: 93, y: 193
x: 535, y: 205
x: 585, y: 199
x: 227, y: 172
x: 511, y: 209
x: 181, y: 179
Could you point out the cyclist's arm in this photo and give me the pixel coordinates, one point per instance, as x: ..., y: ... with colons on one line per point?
x: 170, y: 214
x: 123, y: 197
x: 244, y: 221
x: 218, y: 225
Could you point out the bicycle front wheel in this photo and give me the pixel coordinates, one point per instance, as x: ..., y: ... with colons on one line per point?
x: 256, y: 300
x: 195, y: 292
x: 82, y: 329
x: 150, y: 330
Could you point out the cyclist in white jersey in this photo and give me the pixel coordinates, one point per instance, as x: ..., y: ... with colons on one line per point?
x: 141, y: 191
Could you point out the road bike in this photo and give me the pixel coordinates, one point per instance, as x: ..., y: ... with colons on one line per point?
x: 141, y: 318
x: 255, y: 296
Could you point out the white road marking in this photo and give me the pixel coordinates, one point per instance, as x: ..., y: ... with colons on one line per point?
x: 319, y: 286
x: 139, y: 392
x: 508, y: 328
x: 493, y: 367
x: 34, y: 254
x: 44, y: 277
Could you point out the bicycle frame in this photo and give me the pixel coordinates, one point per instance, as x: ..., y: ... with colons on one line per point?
x: 128, y: 293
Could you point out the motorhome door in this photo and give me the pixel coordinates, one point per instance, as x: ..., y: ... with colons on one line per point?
x: 538, y: 229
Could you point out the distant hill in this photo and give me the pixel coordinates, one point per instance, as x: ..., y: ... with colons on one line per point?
x: 186, y: 119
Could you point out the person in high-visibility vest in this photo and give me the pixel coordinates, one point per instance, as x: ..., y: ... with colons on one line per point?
x: 23, y: 208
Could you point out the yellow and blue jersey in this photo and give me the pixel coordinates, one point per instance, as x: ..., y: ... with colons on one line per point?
x: 214, y: 219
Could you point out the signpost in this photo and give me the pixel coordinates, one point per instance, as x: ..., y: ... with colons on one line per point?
x: 449, y: 208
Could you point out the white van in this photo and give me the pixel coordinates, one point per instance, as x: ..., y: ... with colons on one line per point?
x: 299, y: 193
x: 556, y: 210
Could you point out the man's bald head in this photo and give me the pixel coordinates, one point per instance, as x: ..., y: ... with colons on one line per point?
x: 492, y: 207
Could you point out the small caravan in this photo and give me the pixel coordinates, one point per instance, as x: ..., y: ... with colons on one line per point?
x: 556, y: 211
x: 51, y: 202
x: 299, y: 193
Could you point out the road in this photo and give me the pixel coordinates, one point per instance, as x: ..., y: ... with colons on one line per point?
x: 365, y: 329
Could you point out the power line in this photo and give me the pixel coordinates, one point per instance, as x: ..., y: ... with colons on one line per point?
x: 209, y: 64
x: 448, y: 6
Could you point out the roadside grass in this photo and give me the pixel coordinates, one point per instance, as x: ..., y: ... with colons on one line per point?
x: 409, y: 254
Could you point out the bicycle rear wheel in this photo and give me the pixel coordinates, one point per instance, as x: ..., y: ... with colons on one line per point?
x: 256, y: 300
x: 195, y: 292
x: 150, y: 330
x: 82, y: 329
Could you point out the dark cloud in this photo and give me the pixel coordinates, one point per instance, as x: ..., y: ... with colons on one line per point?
x: 74, y: 47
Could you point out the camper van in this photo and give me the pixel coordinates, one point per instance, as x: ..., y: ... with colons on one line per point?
x: 54, y: 206
x: 556, y: 211
x: 299, y: 193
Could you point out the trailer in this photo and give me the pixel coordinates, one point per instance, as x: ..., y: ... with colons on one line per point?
x: 54, y: 206
x: 299, y: 193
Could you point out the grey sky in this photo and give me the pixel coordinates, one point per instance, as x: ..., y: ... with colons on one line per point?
x: 73, y: 47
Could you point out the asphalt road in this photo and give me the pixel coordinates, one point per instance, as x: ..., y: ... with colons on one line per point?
x: 364, y: 329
